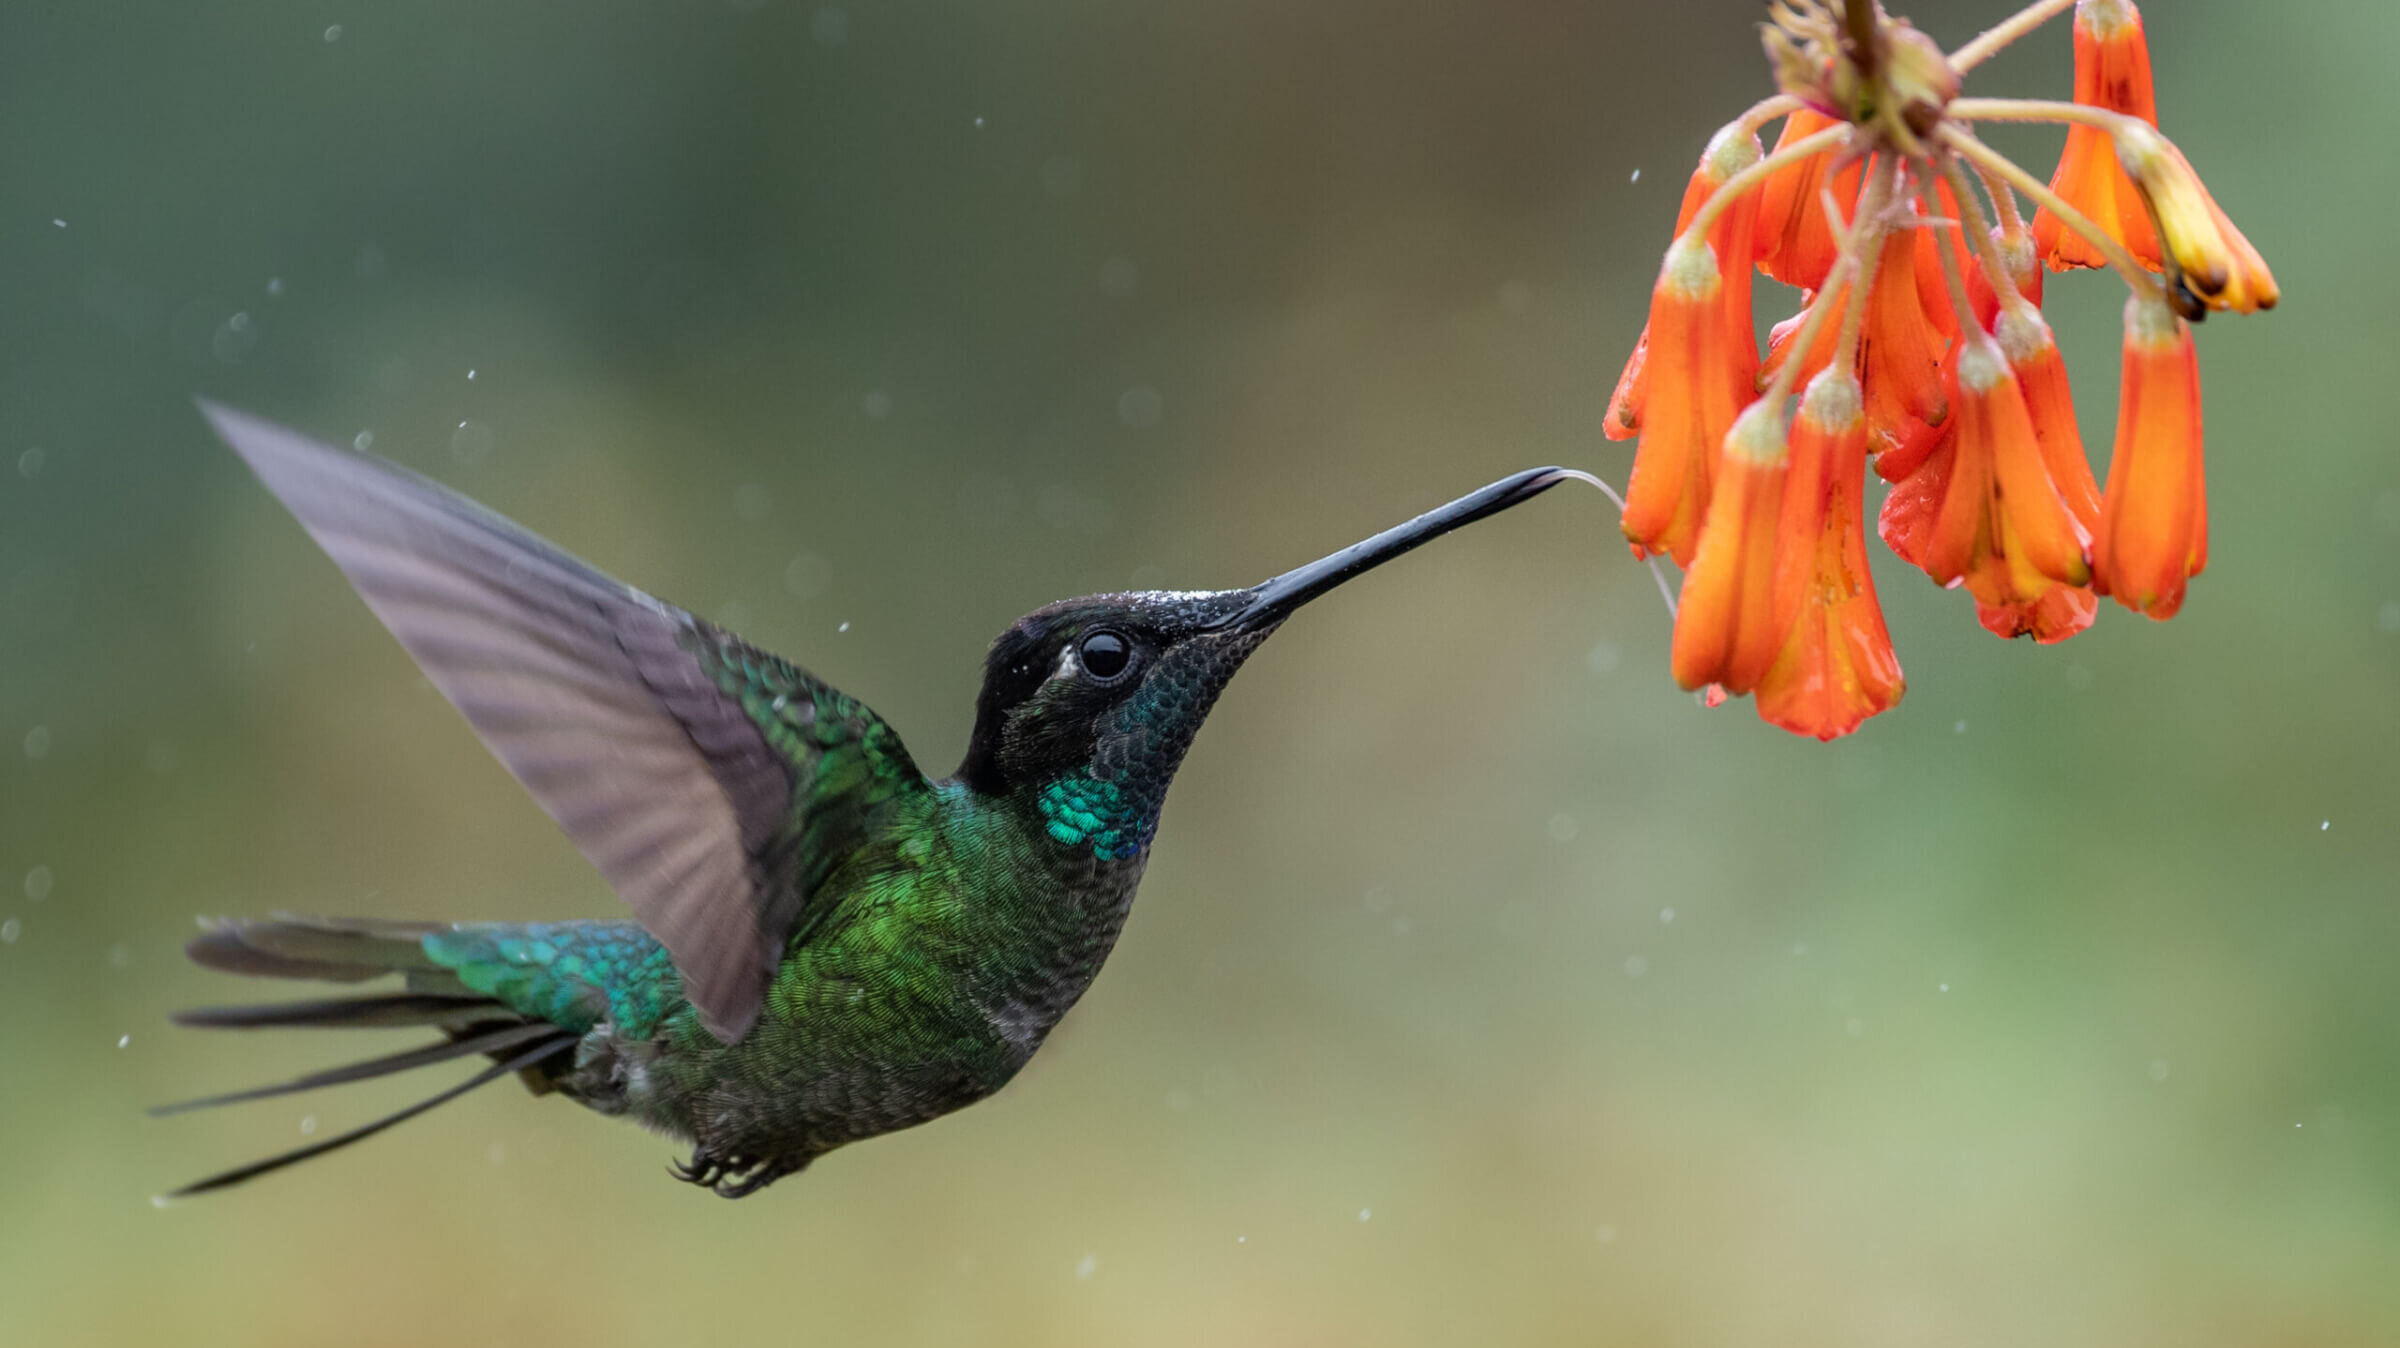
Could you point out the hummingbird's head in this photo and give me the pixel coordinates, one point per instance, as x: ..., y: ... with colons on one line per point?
x: 1089, y: 704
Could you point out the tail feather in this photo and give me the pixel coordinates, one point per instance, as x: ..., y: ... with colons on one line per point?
x: 348, y: 1013
x: 499, y: 1043
x: 542, y: 1051
x: 327, y: 949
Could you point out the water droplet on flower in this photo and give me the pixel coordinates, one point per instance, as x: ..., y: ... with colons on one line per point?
x: 38, y: 882
x: 37, y: 742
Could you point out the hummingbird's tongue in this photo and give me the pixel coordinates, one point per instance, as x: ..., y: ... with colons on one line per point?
x: 1274, y: 600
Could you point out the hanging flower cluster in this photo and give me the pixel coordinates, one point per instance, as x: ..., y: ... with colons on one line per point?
x: 1920, y: 347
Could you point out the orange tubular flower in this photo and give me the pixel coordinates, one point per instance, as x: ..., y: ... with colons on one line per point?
x: 2154, y: 518
x: 2210, y: 263
x: 1901, y: 354
x: 1700, y: 377
x: 1731, y: 150
x: 2017, y: 251
x: 1726, y: 630
x: 1795, y: 240
x: 2063, y: 610
x: 2112, y: 71
x: 1836, y: 667
x: 1983, y: 510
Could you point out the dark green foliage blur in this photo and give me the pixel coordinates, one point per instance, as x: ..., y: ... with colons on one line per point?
x: 1483, y: 990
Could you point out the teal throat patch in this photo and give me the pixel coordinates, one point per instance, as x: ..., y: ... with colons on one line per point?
x: 1080, y: 810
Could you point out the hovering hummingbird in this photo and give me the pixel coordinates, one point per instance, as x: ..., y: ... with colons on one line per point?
x: 828, y: 944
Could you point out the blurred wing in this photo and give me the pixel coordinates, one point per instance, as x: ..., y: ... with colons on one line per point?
x: 713, y: 785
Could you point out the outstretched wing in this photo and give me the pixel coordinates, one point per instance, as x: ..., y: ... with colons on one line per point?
x: 715, y: 786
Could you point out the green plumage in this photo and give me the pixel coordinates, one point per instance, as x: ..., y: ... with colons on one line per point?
x: 829, y: 945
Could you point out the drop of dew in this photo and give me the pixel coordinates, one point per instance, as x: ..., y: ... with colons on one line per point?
x: 37, y: 742
x: 1085, y: 1265
x: 38, y: 882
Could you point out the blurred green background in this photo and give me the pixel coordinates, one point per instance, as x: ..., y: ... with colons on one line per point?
x: 1484, y: 988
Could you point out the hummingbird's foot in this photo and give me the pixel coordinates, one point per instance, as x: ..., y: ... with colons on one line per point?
x: 733, y: 1175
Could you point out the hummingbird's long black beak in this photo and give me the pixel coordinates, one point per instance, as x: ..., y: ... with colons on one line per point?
x: 1274, y: 600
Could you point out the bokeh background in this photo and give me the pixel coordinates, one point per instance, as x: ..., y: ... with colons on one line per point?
x: 1484, y: 988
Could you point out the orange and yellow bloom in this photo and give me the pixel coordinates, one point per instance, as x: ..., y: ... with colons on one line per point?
x: 1920, y: 346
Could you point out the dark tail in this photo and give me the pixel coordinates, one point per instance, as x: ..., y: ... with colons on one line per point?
x: 342, y: 951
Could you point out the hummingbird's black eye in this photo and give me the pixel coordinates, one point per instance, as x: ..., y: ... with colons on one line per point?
x: 1105, y: 656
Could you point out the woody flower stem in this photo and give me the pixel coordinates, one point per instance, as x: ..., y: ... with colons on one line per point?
x: 2136, y: 276
x: 2006, y: 31
x: 1851, y: 275
x: 2038, y: 110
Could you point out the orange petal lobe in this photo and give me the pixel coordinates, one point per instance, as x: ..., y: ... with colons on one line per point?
x: 2112, y: 70
x: 1795, y: 241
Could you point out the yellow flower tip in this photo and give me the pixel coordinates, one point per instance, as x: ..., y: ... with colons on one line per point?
x: 1689, y: 272
x: 2209, y: 264
x: 1834, y: 404
x: 1759, y: 436
x: 1731, y: 150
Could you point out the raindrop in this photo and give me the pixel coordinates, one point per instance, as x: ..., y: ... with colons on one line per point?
x: 1515, y: 297
x: 1637, y: 176
x: 38, y: 883
x: 363, y: 441
x: 470, y: 374
x: 1636, y: 966
x: 1119, y: 278
x: 471, y: 442
x: 1854, y: 1027
x: 1139, y: 406
x: 1606, y: 1235
x: 829, y: 26
x: 877, y: 404
x: 1958, y: 728
x: 752, y: 502
x: 29, y: 463
x: 37, y: 742
x: 370, y: 263
x: 1602, y: 658
x: 1179, y: 1100
x: 308, y: 1125
x: 844, y: 627
x: 2158, y: 1069
x: 1062, y: 174
x: 808, y: 575
x: 275, y: 285
x: 123, y: 1040
x: 1365, y: 1213
x: 333, y: 32
x: 10, y: 930
x: 1085, y: 1265
x: 1666, y: 915
x: 235, y: 338
x: 1562, y: 827
x: 2324, y: 826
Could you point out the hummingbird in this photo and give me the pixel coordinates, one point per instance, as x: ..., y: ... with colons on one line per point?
x: 827, y: 944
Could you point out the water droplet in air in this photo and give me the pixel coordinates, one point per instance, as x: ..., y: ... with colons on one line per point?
x: 842, y: 628
x: 1562, y: 827
x: 1062, y: 174
x: 2158, y: 1069
x: 1365, y: 1213
x: 2324, y: 826
x: 807, y: 575
x: 829, y: 26
x: 333, y: 32
x: 235, y: 338
x: 275, y: 285
x: 470, y: 374
x: 58, y: 222
x: 29, y: 463
x: 1636, y: 965
x: 38, y: 882
x: 752, y: 502
x: 10, y: 931
x: 471, y: 442
x: 1085, y: 1265
x: 1666, y: 915
x: 1637, y: 176
x: 1140, y: 406
x: 123, y: 1040
x: 308, y: 1125
x: 363, y: 441
x: 37, y: 742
